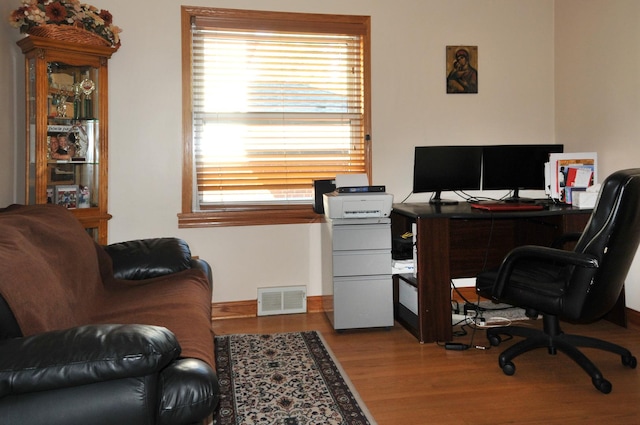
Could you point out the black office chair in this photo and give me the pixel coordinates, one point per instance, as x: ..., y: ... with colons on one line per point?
x: 578, y: 286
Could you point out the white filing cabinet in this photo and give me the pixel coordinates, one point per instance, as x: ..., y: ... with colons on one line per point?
x: 359, y: 290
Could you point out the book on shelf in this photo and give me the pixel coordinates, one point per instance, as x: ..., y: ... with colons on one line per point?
x: 570, y: 172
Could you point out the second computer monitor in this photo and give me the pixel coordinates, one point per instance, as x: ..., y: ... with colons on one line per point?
x: 515, y: 167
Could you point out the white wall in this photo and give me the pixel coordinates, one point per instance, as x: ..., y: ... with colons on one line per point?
x: 597, y: 58
x: 410, y: 107
x: 515, y: 104
x: 11, y: 112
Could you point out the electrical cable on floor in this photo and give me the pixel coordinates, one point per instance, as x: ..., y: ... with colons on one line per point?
x: 472, y: 322
x: 473, y: 334
x: 495, y: 322
x: 464, y: 323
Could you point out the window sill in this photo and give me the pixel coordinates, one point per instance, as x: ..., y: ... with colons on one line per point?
x: 249, y: 216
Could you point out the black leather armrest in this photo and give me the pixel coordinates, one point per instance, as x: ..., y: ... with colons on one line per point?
x: 532, y: 252
x: 190, y: 391
x: 147, y: 258
x: 200, y: 264
x: 83, y: 355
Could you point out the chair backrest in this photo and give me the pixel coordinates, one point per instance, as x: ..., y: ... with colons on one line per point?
x: 612, y: 235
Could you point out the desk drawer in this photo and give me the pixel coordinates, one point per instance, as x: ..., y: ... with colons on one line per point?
x: 364, y: 236
x: 363, y: 302
x: 354, y: 263
x: 408, y: 296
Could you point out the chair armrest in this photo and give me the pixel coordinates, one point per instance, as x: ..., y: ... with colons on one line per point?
x: 147, y: 258
x: 190, y: 392
x: 83, y: 355
x: 200, y: 264
x: 533, y: 252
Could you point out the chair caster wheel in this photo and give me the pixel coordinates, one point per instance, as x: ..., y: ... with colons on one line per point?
x: 602, y: 385
x: 630, y: 361
x: 509, y: 368
x: 494, y: 340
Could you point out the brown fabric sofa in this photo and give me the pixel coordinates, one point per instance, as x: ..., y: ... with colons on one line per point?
x: 56, y: 281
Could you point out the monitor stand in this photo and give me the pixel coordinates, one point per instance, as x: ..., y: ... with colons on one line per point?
x: 437, y: 200
x: 516, y: 199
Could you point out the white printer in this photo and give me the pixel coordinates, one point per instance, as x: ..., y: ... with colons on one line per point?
x: 357, y: 204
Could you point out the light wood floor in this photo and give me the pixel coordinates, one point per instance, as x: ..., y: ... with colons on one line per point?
x: 405, y: 382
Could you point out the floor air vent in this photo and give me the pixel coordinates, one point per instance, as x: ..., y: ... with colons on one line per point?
x: 282, y: 300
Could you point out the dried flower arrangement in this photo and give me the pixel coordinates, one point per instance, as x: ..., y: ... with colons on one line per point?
x: 36, y: 14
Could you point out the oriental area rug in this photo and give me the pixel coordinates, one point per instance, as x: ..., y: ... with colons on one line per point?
x: 285, y: 379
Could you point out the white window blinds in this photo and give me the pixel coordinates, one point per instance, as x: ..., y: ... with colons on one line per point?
x: 274, y: 110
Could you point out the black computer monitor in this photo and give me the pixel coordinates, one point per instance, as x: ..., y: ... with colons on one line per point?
x: 515, y: 167
x: 446, y: 168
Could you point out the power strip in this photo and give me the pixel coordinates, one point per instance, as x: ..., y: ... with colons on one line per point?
x: 461, y: 318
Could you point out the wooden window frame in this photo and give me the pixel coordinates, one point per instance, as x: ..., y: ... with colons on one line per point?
x: 241, y: 214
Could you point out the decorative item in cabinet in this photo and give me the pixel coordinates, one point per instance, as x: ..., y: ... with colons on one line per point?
x: 67, y: 128
x: 67, y: 195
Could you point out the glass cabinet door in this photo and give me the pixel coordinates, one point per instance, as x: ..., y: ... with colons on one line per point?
x: 73, y: 136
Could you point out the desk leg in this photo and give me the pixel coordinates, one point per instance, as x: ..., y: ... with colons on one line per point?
x: 434, y: 279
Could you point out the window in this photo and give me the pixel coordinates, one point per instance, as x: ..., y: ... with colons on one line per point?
x: 272, y: 101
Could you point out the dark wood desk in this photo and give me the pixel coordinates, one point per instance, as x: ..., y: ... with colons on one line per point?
x: 454, y: 241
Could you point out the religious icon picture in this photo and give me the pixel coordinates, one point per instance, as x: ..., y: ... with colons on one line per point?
x: 462, y: 69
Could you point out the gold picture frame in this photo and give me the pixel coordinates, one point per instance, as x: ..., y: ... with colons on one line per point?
x: 462, y: 69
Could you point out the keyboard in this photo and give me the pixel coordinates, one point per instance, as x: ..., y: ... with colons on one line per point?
x: 506, y: 206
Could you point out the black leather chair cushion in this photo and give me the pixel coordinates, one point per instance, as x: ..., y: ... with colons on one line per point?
x: 84, y: 355
x: 147, y: 258
x: 119, y: 401
x: 530, y: 283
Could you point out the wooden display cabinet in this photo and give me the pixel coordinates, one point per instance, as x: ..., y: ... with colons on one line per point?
x: 67, y: 128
